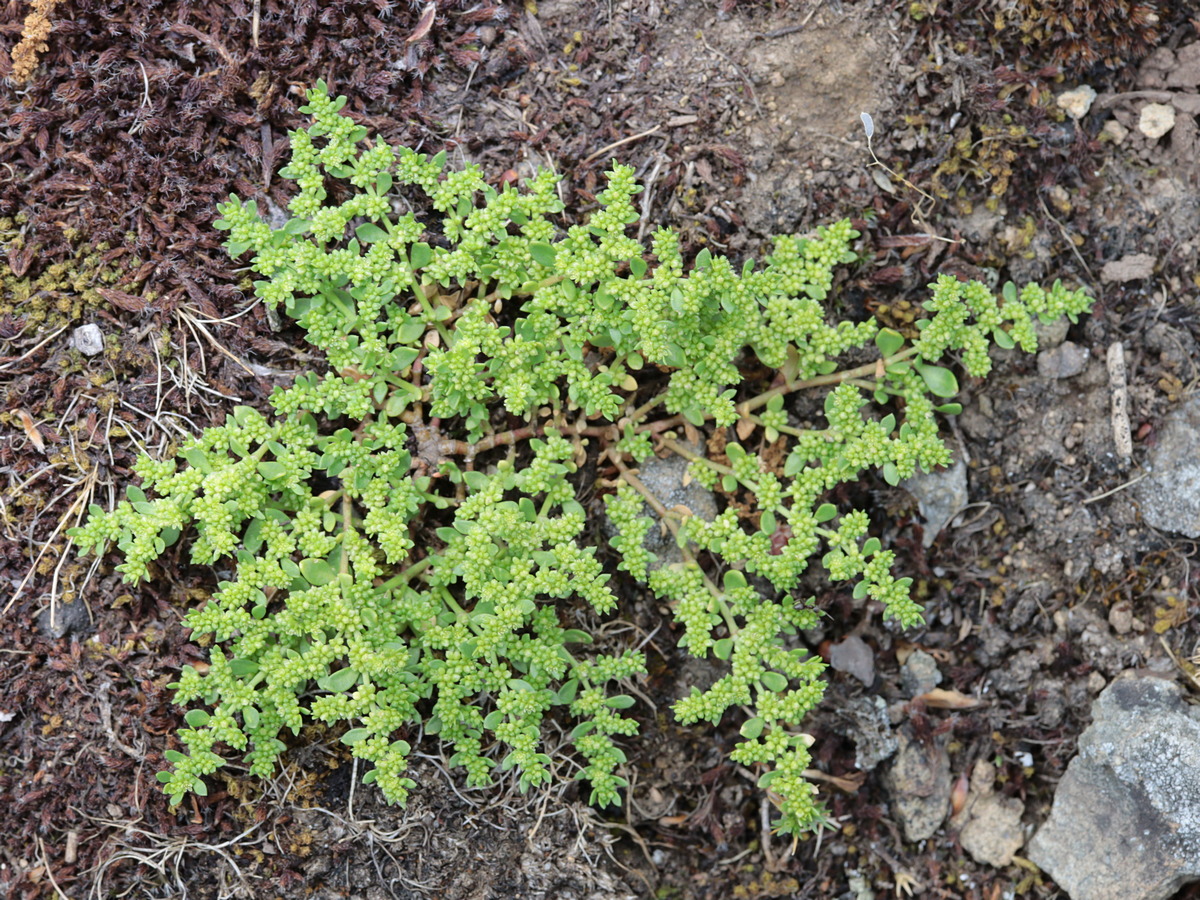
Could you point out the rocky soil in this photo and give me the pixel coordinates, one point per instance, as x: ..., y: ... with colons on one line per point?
x: 1057, y: 562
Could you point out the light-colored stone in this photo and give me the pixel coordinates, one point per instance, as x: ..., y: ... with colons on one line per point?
x: 1120, y: 617
x: 1133, y: 267
x: 1064, y: 361
x: 1156, y: 120
x: 940, y: 495
x: 865, y: 721
x: 88, y: 339
x: 989, y: 825
x: 1114, y: 131
x: 1169, y: 497
x: 854, y: 657
x: 665, y: 478
x: 1076, y: 103
x: 919, y: 674
x: 1126, y: 818
x: 918, y: 783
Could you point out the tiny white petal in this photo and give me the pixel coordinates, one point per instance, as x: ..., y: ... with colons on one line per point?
x: 868, y: 125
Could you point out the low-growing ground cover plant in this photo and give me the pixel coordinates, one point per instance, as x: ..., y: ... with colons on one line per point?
x: 409, y: 540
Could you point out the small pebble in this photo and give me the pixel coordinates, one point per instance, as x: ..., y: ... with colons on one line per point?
x: 87, y: 339
x: 1076, y: 103
x: 1156, y: 120
x: 1064, y: 361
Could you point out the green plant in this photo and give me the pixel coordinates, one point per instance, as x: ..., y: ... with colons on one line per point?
x: 410, y: 546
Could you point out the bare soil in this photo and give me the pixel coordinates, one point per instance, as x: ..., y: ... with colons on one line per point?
x: 742, y: 120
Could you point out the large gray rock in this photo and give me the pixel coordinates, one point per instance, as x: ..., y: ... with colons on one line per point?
x: 1126, y: 818
x: 1169, y: 497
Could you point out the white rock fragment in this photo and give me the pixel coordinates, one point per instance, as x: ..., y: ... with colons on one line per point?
x: 1114, y: 131
x: 1076, y: 103
x: 87, y: 339
x: 1156, y: 120
x: 1133, y: 267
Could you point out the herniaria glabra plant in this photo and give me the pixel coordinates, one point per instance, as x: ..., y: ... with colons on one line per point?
x: 410, y: 538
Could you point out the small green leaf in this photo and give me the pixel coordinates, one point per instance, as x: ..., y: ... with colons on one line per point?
x: 1003, y: 339
x: 891, y: 474
x: 493, y: 720
x: 370, y: 234
x: 475, y: 480
x: 723, y: 648
x: 734, y: 580
x: 940, y: 380
x: 543, y: 254
x: 339, y: 682
x: 567, y: 692
x: 242, y: 667
x: 419, y: 255
x: 354, y: 735
x: 272, y: 470
x: 752, y: 728
x: 620, y: 701
x: 197, y: 718
x: 949, y: 409
x: 774, y: 681
x: 317, y: 571
x: 825, y: 512
x: 888, y: 341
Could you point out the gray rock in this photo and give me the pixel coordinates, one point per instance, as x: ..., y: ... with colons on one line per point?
x: 665, y: 480
x: 1125, y: 824
x: 940, y: 495
x: 1051, y: 334
x: 68, y: 619
x: 854, y: 657
x: 1134, y: 267
x: 918, y: 783
x: 1064, y: 361
x: 919, y: 674
x: 87, y: 339
x: 1169, y: 497
x: 865, y: 721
